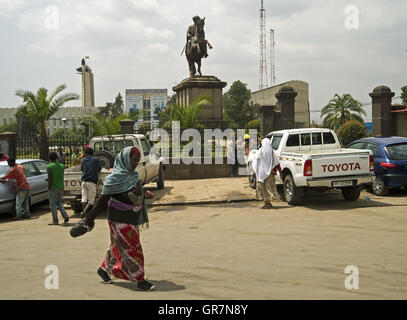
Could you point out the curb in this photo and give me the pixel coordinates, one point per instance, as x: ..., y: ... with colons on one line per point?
x: 192, y: 203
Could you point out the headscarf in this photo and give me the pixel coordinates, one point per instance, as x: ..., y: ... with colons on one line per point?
x: 123, y: 177
x: 265, y: 160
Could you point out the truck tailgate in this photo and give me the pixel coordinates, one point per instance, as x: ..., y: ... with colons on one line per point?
x: 341, y: 164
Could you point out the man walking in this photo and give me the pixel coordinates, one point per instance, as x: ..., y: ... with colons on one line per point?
x: 23, y: 188
x: 91, y: 166
x: 56, y: 188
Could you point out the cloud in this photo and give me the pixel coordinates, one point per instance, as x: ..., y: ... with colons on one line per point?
x: 137, y: 44
x: 8, y: 8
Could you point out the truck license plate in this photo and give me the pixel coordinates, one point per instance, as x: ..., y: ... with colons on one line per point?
x: 347, y: 183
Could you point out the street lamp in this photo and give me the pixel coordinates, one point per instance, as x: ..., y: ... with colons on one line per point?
x: 64, y: 121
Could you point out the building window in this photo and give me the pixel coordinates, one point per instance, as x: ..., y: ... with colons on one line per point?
x: 5, y: 121
x: 146, y: 104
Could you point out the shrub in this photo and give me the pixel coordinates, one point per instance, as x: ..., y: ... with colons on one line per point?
x: 351, y: 131
x: 143, y: 128
x: 254, y: 124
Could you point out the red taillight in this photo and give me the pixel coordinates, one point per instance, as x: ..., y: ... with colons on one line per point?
x: 371, y: 163
x: 389, y: 165
x: 308, y: 168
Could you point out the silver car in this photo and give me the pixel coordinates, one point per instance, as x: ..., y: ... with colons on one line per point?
x: 37, y: 177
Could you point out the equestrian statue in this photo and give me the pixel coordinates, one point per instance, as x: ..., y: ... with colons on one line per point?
x: 196, y: 47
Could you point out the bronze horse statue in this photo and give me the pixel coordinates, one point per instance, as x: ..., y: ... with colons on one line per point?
x: 196, y: 47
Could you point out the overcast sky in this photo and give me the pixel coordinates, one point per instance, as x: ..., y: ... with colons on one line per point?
x: 137, y: 44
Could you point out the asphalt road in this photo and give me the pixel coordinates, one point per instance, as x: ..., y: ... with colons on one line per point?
x: 225, y: 251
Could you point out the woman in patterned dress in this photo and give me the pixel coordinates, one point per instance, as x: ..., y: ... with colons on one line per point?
x: 123, y: 196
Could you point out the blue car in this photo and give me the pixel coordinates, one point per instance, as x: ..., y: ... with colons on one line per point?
x: 37, y: 177
x: 390, y: 162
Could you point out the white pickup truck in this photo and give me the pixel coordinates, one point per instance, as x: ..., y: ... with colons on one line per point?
x: 150, y: 167
x: 314, y: 158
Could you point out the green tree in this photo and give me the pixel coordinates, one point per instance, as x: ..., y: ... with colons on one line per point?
x: 341, y: 109
x: 9, y: 127
x: 404, y: 95
x: 254, y: 124
x: 24, y: 127
x: 113, y: 109
x: 351, y: 131
x: 237, y: 106
x: 143, y: 128
x: 187, y: 116
x: 39, y: 107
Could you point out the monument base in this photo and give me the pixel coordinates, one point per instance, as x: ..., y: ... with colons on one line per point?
x: 191, y: 88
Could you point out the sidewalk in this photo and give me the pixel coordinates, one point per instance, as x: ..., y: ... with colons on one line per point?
x: 202, y: 191
x: 237, y: 189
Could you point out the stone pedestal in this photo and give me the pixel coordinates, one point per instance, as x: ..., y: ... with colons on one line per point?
x: 126, y: 126
x: 8, y: 144
x: 193, y: 87
x: 381, y: 111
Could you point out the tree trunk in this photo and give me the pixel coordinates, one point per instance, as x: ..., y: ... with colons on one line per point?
x: 43, y: 143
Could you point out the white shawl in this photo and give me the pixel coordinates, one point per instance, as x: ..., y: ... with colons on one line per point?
x: 265, y: 160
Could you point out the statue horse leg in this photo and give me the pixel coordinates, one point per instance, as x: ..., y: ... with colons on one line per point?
x: 192, y: 69
x: 199, y: 66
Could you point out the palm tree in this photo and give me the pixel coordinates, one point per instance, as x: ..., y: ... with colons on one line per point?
x: 340, y: 110
x: 187, y: 116
x: 40, y: 107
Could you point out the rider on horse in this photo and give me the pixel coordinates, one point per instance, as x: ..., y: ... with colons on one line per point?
x: 193, y: 37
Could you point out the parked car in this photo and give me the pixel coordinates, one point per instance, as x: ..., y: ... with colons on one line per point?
x: 390, y: 162
x: 312, y: 158
x: 150, y: 167
x: 37, y: 177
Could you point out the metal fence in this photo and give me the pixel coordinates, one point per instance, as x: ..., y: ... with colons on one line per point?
x: 29, y: 149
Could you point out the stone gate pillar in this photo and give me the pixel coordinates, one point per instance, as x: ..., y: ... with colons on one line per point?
x: 381, y: 111
x: 8, y: 144
x: 286, y: 99
x: 126, y: 126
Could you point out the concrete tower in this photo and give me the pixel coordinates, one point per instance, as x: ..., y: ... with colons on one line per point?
x: 88, y: 89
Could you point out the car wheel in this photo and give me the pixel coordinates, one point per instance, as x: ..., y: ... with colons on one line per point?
x: 252, y: 181
x: 292, y: 194
x: 106, y: 158
x: 351, y: 193
x: 160, y: 181
x: 379, y: 188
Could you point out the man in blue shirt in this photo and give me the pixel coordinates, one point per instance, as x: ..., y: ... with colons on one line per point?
x: 90, y: 167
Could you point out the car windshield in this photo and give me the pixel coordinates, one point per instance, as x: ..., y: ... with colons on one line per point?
x: 397, y: 151
x: 4, y: 170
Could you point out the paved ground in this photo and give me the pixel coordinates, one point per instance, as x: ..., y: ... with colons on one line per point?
x: 223, y: 251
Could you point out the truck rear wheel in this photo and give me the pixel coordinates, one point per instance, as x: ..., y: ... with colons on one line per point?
x: 292, y: 194
x: 160, y: 181
x: 351, y: 193
x: 106, y: 158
